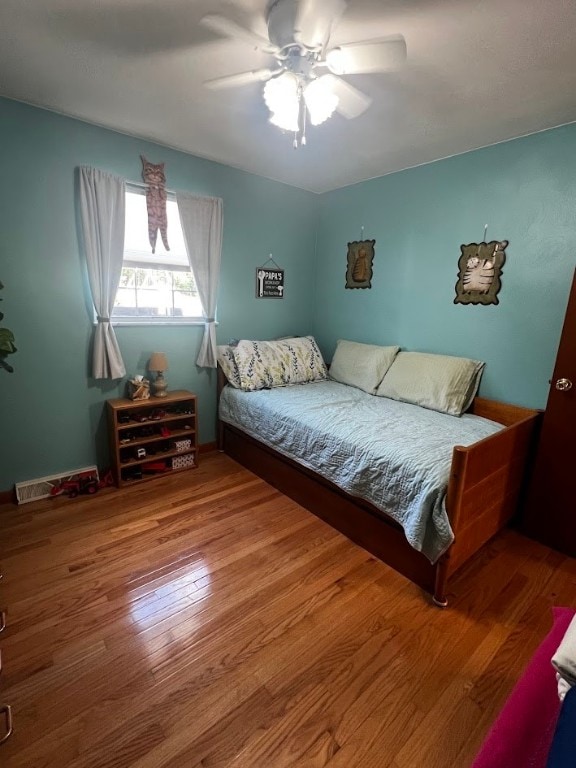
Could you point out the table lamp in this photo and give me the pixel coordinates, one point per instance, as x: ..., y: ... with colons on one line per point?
x: 159, y: 363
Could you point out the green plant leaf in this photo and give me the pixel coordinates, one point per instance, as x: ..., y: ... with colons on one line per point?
x: 7, y: 346
x: 5, y: 365
x: 7, y: 341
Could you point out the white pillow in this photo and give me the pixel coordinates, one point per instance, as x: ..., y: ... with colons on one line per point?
x: 361, y: 365
x: 439, y: 382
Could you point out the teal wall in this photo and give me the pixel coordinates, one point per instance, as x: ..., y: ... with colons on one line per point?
x: 525, y: 190
x: 51, y: 410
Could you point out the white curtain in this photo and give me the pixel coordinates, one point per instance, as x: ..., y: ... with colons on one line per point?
x: 102, y: 199
x: 201, y: 219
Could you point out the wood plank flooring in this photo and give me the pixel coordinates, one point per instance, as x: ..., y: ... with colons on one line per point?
x: 205, y: 620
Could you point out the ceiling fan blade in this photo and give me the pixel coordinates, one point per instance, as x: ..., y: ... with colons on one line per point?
x: 366, y: 57
x: 315, y: 20
x: 351, y: 101
x: 241, y: 78
x: 229, y: 28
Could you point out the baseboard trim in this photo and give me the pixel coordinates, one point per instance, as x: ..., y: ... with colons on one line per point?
x: 8, y: 497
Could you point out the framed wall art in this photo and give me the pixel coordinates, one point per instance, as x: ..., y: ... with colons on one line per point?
x: 480, y: 271
x: 360, y: 258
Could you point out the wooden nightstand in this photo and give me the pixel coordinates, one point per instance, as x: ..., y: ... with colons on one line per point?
x: 150, y: 438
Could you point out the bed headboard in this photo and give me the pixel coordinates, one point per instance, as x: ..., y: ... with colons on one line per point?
x: 221, y: 381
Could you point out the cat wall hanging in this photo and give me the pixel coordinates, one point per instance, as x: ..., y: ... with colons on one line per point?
x: 479, y: 272
x: 155, y: 180
x: 360, y: 258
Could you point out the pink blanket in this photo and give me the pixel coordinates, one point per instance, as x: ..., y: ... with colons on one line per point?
x: 522, y: 733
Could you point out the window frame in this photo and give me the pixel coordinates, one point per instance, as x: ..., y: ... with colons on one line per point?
x: 155, y: 320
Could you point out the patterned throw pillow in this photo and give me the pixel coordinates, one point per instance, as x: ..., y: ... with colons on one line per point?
x: 226, y: 361
x: 267, y: 364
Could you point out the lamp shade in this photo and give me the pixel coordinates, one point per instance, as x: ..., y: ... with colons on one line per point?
x: 158, y: 362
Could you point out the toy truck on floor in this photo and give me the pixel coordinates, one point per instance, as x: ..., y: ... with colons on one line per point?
x: 78, y: 484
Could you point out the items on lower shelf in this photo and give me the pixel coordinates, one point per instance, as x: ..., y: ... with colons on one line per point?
x: 147, y: 440
x: 183, y: 462
x: 138, y: 471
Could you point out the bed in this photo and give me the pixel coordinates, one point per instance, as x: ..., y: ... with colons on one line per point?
x: 268, y: 426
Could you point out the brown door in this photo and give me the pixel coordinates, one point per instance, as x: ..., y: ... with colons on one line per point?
x: 550, y: 511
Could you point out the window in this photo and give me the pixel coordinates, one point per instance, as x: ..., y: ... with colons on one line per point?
x: 154, y: 287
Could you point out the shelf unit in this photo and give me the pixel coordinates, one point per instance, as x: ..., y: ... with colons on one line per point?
x: 154, y: 437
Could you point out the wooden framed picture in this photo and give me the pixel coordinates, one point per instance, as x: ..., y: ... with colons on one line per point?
x: 480, y: 271
x: 360, y: 258
x: 269, y: 283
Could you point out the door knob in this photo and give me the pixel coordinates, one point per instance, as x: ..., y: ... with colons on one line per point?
x: 563, y: 385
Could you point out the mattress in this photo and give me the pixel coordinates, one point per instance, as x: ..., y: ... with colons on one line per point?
x: 394, y: 455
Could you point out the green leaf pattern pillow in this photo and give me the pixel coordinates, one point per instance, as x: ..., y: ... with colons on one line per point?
x: 267, y: 364
x: 227, y: 361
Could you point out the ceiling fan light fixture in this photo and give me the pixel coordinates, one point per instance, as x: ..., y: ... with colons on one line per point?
x: 282, y: 99
x: 296, y: 93
x: 321, y: 101
x: 281, y: 91
x: 371, y: 56
x: 286, y: 120
x: 336, y: 61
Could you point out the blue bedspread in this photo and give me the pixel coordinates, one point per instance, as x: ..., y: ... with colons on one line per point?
x: 395, y: 455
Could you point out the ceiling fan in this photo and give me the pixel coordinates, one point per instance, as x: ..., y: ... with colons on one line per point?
x: 304, y: 81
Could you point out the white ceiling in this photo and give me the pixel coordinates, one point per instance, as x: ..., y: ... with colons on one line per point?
x: 478, y: 72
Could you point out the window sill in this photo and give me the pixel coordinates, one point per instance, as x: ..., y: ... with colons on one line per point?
x: 118, y: 322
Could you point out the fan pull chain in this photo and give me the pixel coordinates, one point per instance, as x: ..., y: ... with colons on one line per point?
x: 304, y: 117
x: 295, y: 143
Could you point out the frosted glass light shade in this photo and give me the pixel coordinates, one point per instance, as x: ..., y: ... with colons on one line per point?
x: 338, y: 61
x: 320, y: 100
x: 281, y: 97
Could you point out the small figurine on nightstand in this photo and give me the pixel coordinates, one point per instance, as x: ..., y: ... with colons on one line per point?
x: 138, y: 388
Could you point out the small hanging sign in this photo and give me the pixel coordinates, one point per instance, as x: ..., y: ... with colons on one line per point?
x: 269, y: 281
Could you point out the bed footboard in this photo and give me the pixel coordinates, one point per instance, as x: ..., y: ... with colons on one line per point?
x: 486, y: 482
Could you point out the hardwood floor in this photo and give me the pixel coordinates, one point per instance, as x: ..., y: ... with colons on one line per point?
x: 205, y: 620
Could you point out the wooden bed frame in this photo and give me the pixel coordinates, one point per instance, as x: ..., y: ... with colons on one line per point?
x: 486, y: 482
